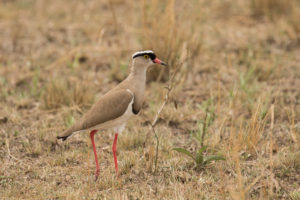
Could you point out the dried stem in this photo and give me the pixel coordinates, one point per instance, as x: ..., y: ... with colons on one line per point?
x: 9, y: 153
x: 114, y: 16
x: 271, y: 177
x: 204, y: 129
x: 169, y: 87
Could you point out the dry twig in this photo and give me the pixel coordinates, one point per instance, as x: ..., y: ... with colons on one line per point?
x: 8, y: 151
x: 169, y: 87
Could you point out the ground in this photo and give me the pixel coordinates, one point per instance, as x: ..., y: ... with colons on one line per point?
x: 236, y: 86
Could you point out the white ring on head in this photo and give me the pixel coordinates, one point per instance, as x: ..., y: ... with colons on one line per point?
x: 142, y: 52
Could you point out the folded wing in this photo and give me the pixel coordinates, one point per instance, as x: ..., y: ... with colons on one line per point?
x: 109, y: 107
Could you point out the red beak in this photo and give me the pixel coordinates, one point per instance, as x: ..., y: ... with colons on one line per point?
x: 156, y: 60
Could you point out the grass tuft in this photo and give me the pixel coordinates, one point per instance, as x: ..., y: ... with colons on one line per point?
x: 63, y: 93
x: 272, y: 8
x: 171, y: 38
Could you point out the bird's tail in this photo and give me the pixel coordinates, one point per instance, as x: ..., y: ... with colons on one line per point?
x: 64, y: 135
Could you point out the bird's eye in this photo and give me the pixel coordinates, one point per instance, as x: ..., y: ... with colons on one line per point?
x: 146, y: 57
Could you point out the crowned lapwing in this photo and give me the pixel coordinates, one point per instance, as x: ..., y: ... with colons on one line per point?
x: 118, y: 105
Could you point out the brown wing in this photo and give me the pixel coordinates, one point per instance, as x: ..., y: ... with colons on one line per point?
x: 110, y: 106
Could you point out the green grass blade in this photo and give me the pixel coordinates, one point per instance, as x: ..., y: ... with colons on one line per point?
x: 201, y: 150
x: 208, y: 159
x: 199, y: 159
x: 186, y: 152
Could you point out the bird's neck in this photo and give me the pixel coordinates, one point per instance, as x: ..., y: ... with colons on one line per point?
x: 137, y: 79
x: 138, y: 74
x: 136, y: 82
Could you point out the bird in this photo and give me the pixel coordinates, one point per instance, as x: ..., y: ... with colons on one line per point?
x: 117, y: 106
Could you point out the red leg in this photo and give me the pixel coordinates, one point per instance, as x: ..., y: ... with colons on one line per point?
x: 92, y: 133
x: 114, y: 149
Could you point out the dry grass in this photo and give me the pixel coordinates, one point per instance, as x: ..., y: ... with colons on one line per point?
x: 272, y: 8
x: 276, y: 9
x: 169, y: 37
x: 58, y: 57
x: 59, y: 93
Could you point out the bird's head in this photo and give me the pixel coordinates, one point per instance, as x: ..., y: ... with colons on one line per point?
x: 146, y: 59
